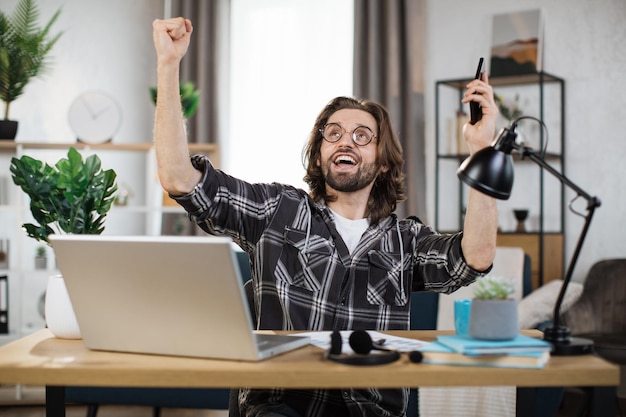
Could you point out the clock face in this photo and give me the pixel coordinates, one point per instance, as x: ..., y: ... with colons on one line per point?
x: 95, y: 117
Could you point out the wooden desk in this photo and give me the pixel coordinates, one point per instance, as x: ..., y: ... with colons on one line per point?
x: 41, y: 359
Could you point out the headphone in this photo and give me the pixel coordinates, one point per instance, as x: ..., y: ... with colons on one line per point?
x: 362, y: 344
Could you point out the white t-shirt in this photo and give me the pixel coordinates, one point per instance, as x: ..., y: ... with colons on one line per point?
x: 350, y: 230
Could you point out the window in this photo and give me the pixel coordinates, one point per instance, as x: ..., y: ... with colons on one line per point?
x: 288, y: 60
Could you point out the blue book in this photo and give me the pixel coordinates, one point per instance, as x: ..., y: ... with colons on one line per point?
x: 470, y: 346
x: 440, y: 354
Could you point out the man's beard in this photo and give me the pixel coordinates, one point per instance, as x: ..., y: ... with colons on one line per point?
x: 350, y: 182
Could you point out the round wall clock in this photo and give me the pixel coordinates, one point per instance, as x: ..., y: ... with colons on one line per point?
x: 95, y: 117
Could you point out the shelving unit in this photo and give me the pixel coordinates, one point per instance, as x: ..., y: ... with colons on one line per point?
x: 144, y: 214
x: 542, y: 96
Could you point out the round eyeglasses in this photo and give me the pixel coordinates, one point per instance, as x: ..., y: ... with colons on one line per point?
x: 333, y: 132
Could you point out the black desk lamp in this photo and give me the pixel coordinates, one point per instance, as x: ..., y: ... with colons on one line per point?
x: 490, y: 171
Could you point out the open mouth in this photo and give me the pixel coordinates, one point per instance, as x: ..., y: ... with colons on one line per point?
x: 345, y: 160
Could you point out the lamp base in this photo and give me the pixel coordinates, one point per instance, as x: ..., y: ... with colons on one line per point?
x: 565, y: 345
x: 575, y: 346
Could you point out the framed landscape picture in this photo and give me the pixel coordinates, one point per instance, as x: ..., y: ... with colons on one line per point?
x: 516, y: 46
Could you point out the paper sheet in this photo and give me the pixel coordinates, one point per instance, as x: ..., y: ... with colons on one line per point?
x: 401, y: 344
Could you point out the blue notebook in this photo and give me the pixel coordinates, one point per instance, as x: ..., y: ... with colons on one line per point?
x: 437, y: 353
x: 470, y: 346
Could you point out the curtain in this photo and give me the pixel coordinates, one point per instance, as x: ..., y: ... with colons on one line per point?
x: 389, y: 39
x: 206, y: 65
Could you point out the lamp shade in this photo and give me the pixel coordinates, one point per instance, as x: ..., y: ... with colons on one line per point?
x: 489, y: 171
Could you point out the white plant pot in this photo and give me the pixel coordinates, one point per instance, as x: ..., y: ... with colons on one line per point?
x: 60, y: 317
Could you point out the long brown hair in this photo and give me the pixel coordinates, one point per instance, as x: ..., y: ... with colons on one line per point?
x: 389, y: 188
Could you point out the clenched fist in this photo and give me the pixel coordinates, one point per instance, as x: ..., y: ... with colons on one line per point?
x: 171, y: 39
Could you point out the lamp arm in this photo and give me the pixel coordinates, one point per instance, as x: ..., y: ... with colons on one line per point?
x: 532, y: 155
x: 592, y: 204
x: 568, y: 275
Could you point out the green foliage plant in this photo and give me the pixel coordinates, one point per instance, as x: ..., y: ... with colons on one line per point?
x: 509, y: 111
x: 189, y: 98
x: 73, y: 197
x: 24, y: 49
x: 493, y: 288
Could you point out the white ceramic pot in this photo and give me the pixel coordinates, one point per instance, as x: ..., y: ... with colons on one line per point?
x: 60, y: 317
x: 494, y: 319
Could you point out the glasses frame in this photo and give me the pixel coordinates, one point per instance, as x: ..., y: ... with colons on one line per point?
x: 344, y: 131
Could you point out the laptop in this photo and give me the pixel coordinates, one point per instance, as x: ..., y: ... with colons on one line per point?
x: 165, y: 295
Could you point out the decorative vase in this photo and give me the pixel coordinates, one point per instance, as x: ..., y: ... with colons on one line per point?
x: 41, y: 262
x: 8, y: 129
x: 520, y: 215
x: 60, y: 317
x: 494, y: 319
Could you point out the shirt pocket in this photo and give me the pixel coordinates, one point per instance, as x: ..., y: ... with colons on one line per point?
x: 304, y: 261
x: 387, y: 283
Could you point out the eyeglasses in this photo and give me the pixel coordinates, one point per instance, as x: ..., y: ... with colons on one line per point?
x: 333, y: 132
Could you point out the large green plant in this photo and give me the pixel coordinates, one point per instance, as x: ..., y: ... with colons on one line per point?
x: 74, y: 196
x: 24, y: 49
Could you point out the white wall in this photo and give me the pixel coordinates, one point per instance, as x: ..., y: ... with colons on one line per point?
x: 106, y: 45
x: 584, y: 44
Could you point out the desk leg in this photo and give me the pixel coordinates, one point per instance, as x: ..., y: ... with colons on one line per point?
x: 602, y: 401
x: 55, y: 401
x: 525, y: 403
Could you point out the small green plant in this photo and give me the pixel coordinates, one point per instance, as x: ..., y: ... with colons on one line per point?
x: 508, y: 111
x: 189, y: 98
x: 40, y: 252
x: 73, y: 196
x: 493, y: 288
x: 24, y: 49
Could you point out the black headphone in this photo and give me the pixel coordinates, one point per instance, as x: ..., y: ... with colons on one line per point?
x: 362, y: 344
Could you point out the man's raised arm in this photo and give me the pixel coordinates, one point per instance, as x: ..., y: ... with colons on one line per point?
x: 176, y: 174
x: 481, y: 219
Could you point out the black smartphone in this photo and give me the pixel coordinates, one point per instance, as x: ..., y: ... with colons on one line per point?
x: 476, y: 112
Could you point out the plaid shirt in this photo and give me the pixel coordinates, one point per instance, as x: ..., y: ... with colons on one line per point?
x: 306, y: 279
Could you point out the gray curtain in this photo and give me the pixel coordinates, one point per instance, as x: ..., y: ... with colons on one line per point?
x: 388, y: 68
x: 206, y: 65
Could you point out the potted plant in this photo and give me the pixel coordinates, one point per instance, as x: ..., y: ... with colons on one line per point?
x: 494, y: 310
x: 24, y: 50
x: 510, y: 111
x: 41, y: 260
x: 74, y: 197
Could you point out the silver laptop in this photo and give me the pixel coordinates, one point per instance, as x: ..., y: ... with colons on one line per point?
x: 164, y: 295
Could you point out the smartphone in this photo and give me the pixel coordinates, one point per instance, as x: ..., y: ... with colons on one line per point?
x: 476, y: 112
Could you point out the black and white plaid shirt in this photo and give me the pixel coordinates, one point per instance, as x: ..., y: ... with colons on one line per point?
x: 306, y: 279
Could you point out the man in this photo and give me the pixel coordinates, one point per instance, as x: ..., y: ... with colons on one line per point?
x: 337, y: 258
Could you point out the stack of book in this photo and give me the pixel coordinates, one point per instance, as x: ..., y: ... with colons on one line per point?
x: 520, y: 352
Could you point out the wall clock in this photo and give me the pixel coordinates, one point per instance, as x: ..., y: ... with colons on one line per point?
x: 95, y: 117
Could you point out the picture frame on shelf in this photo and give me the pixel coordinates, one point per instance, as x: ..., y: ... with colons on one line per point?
x: 517, y: 43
